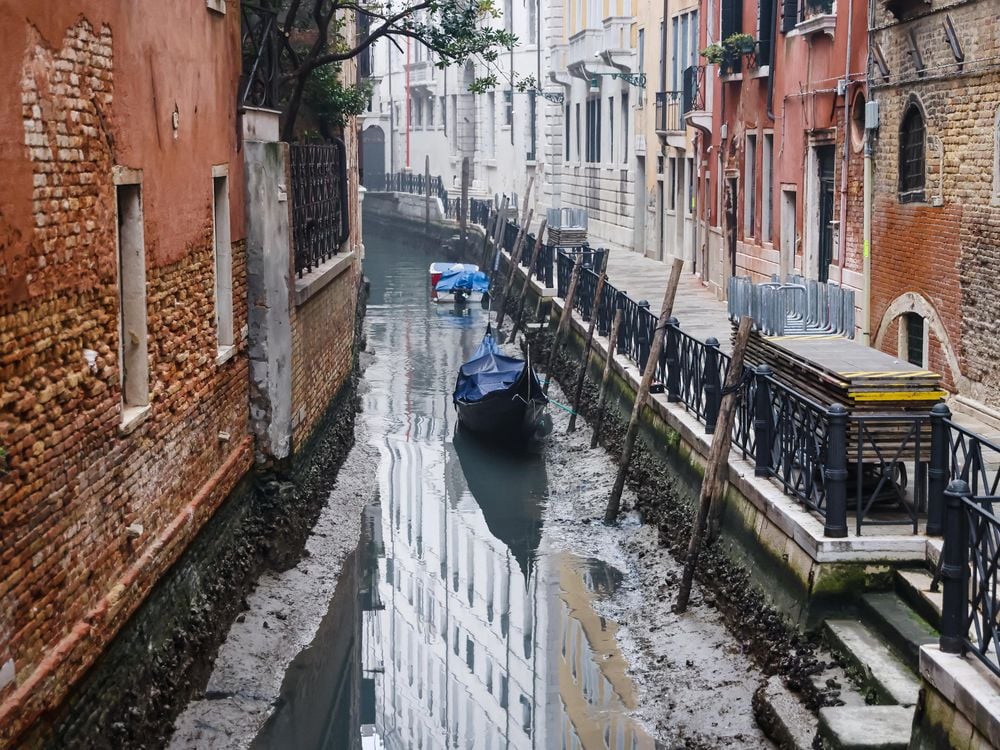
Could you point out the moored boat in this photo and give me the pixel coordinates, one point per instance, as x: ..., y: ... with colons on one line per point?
x: 499, y: 396
x: 457, y: 282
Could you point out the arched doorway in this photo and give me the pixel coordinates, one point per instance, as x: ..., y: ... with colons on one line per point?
x: 373, y: 158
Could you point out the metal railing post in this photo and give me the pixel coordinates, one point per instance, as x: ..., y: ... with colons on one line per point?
x: 712, y: 384
x: 940, y: 469
x: 954, y: 570
x: 673, y: 347
x: 762, y: 419
x: 835, y: 473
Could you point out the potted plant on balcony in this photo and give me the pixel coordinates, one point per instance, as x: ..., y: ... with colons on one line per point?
x: 740, y: 44
x: 714, y: 53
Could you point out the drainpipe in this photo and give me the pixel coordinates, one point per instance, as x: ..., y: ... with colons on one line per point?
x: 842, y: 239
x: 866, y: 295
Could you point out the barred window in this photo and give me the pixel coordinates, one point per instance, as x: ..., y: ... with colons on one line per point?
x: 911, y: 156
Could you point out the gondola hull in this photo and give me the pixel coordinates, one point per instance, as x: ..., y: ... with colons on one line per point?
x: 506, y: 414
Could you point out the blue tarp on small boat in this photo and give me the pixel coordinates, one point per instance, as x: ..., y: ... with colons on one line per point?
x: 487, y: 371
x: 463, y: 280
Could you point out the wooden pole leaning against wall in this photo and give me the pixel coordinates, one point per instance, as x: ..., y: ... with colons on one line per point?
x: 487, y: 233
x: 655, y: 348
x: 718, y: 460
x: 515, y: 261
x: 490, y: 241
x: 582, y: 374
x: 567, y: 314
x: 527, y: 279
x: 602, y: 395
x: 498, y: 232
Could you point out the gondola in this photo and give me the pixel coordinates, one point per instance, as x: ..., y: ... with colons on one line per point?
x: 499, y: 396
x: 457, y: 282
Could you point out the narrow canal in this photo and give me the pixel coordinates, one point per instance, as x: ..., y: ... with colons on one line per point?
x: 478, y: 637
x: 486, y: 607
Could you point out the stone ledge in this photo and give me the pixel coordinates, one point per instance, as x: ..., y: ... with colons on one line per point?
x: 310, y: 284
x: 798, y: 524
x: 966, y: 685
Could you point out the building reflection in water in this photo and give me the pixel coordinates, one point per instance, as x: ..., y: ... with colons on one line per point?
x: 474, y: 634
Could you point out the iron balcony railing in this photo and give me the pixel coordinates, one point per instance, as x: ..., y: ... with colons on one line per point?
x: 668, y: 111
x: 693, y: 93
x: 320, y: 218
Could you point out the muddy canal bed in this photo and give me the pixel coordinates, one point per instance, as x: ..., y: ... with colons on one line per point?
x: 486, y: 606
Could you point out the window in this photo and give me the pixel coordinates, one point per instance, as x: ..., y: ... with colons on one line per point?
x: 611, y: 128
x: 132, y: 329
x: 490, y: 129
x: 663, y: 53
x: 690, y: 198
x: 430, y: 111
x: 766, y: 178
x: 508, y: 99
x: 532, y: 21
x: 508, y: 16
x: 532, y: 124
x: 569, y: 112
x: 223, y: 260
x: 914, y: 339
x: 750, y: 186
x: 626, y: 136
x: 593, y: 130
x: 579, y: 153
x: 672, y: 184
x: 911, y: 156
x: 444, y: 114
x: 641, y: 49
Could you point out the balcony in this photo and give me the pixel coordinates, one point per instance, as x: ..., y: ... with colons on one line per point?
x: 815, y: 17
x: 421, y: 74
x: 695, y: 101
x: 668, y: 112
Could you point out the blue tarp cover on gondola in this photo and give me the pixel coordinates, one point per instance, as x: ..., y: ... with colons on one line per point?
x: 463, y: 280
x: 486, y: 372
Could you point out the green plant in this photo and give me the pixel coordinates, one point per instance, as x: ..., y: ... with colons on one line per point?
x: 3, y: 461
x: 740, y: 43
x: 714, y: 53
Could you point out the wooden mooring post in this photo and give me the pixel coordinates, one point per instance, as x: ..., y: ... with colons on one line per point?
x: 490, y: 242
x: 602, y: 395
x: 494, y: 217
x: 581, y: 376
x: 515, y: 262
x: 655, y: 347
x: 527, y: 279
x: 567, y: 313
x: 718, y: 459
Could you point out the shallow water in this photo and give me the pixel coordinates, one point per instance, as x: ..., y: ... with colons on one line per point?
x: 477, y: 635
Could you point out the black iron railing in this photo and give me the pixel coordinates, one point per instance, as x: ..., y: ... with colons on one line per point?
x: 970, y: 611
x: 668, y: 111
x: 260, y: 43
x: 693, y: 95
x: 319, y: 203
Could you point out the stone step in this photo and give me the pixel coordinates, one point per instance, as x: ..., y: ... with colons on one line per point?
x: 782, y: 716
x: 898, y: 624
x: 914, y: 586
x: 880, y: 669
x: 865, y: 727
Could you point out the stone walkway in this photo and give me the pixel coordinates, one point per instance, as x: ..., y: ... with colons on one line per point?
x: 696, y: 308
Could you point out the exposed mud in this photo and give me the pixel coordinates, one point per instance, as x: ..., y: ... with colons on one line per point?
x: 281, y: 616
x: 755, y: 627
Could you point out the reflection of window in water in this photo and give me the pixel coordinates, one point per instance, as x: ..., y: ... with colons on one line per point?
x: 470, y: 654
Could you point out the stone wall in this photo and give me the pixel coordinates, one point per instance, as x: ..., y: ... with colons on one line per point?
x: 93, y: 513
x: 938, y: 257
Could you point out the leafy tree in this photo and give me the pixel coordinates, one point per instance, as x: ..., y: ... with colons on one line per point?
x: 316, y: 42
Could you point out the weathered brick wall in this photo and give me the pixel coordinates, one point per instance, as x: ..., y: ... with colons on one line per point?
x: 322, y: 350
x: 946, y: 254
x: 70, y: 574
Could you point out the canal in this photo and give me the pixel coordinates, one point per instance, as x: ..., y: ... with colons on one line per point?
x: 479, y: 635
x: 486, y: 607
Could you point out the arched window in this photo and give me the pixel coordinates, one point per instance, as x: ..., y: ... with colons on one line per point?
x: 912, y: 174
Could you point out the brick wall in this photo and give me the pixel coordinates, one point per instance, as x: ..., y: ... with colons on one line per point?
x: 70, y: 573
x: 322, y: 350
x: 946, y: 254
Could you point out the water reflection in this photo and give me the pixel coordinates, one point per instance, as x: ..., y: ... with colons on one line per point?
x: 476, y: 636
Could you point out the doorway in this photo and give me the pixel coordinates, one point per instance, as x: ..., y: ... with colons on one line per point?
x: 825, y: 158
x: 786, y: 260
x: 730, y: 206
x: 373, y: 158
